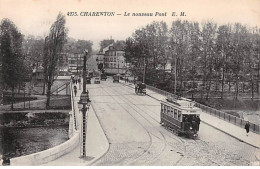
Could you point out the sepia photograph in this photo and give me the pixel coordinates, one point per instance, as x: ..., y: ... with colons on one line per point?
x: 130, y: 83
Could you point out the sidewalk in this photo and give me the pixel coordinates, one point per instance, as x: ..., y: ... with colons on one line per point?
x: 96, y: 141
x: 237, y: 132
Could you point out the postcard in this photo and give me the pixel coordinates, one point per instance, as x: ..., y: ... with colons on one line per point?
x: 129, y: 82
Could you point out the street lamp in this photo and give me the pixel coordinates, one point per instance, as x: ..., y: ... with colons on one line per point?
x: 84, y: 104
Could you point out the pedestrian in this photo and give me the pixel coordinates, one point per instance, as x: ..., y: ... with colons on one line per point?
x: 75, y: 90
x: 247, y: 126
x: 76, y: 80
x: 79, y: 83
x: 198, y: 122
x: 6, y: 161
x: 127, y: 80
x: 72, y: 79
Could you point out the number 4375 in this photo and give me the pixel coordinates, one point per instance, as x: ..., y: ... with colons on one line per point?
x: 72, y: 14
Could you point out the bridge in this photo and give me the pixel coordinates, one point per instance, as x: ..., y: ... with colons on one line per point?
x: 123, y: 129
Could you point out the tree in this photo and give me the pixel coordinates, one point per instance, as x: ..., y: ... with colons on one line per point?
x: 119, y: 45
x: 180, y: 44
x: 146, y: 49
x: 77, y: 46
x: 195, y: 53
x: 11, y: 55
x: 223, y: 44
x: 208, y: 54
x: 54, y: 43
x: 33, y: 50
x: 255, y: 53
x: 240, y: 54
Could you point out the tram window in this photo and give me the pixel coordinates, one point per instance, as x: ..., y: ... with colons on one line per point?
x: 185, y: 118
x: 179, y: 115
x: 171, y: 112
x: 164, y: 108
x: 175, y: 113
x: 168, y: 111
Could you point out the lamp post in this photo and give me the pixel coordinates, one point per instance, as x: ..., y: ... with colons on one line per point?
x: 84, y: 104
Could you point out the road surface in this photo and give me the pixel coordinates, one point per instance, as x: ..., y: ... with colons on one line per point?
x: 131, y: 124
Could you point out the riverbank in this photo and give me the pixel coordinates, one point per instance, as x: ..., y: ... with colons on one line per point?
x: 34, y: 119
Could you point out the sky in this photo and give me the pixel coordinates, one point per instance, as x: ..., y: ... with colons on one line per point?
x: 34, y: 17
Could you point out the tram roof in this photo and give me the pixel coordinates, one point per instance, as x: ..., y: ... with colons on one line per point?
x: 183, y: 104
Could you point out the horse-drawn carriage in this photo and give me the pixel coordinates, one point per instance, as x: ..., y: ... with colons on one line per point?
x: 140, y: 88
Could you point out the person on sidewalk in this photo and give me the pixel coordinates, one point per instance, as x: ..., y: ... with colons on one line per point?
x: 76, y: 80
x: 247, y: 126
x: 79, y: 81
x: 75, y: 90
x: 72, y: 78
x: 198, y: 122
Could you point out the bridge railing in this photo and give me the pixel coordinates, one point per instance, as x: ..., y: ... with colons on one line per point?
x: 229, y: 118
x: 57, y: 89
x: 217, y: 113
x: 73, y: 108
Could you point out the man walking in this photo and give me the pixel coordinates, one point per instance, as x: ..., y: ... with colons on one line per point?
x: 198, y: 122
x: 75, y: 90
x: 247, y: 126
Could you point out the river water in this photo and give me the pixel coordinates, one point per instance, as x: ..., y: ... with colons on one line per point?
x: 19, y: 141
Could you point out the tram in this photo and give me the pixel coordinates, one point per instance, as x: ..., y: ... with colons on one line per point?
x: 180, y: 115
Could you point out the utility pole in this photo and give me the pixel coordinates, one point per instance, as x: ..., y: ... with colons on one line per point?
x: 118, y: 64
x: 144, y: 71
x: 175, y: 76
x: 77, y: 65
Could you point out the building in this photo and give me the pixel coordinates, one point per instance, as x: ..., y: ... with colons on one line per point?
x: 114, y: 60
x: 38, y: 76
x: 75, y: 62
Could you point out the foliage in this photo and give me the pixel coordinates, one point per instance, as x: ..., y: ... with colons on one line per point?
x: 11, y: 56
x: 54, y: 43
x: 203, y: 57
x: 77, y: 46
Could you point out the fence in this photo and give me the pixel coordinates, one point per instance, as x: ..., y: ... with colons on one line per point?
x: 59, y: 90
x: 222, y: 115
x: 73, y: 107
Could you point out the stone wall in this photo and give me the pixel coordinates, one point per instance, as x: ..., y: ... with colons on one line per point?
x: 47, y: 155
